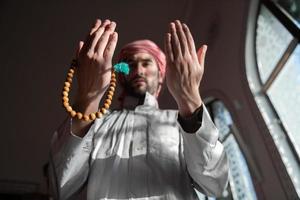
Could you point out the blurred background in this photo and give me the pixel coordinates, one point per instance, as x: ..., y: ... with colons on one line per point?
x: 251, y: 83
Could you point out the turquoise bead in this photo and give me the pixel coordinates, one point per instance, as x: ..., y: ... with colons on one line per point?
x: 122, y: 67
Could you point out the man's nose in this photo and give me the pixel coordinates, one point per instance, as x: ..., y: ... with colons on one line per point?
x: 138, y: 69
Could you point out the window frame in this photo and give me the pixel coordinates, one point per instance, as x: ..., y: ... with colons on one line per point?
x: 286, y: 21
x: 267, y: 111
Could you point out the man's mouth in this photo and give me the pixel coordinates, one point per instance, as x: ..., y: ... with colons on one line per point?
x: 138, y: 80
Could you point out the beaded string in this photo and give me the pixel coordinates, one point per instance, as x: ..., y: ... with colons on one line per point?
x: 120, y: 67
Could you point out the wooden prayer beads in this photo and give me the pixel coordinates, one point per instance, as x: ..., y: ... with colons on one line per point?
x: 79, y: 115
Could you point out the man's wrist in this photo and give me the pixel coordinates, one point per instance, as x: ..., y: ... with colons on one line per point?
x: 187, y: 107
x: 193, y: 122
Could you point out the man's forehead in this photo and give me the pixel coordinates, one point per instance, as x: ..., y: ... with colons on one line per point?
x: 140, y: 57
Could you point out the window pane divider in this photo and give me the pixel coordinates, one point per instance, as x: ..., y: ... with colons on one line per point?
x: 280, y: 65
x: 284, y: 18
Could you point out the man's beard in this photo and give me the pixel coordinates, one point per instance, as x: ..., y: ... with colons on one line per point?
x: 138, y: 92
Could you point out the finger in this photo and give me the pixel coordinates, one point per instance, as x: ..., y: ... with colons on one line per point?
x: 88, y: 38
x: 95, y: 27
x: 97, y: 35
x: 111, y: 46
x: 80, y: 44
x: 201, y: 54
x: 168, y: 48
x: 190, y: 40
x: 103, y: 40
x: 174, y: 41
x: 182, y: 38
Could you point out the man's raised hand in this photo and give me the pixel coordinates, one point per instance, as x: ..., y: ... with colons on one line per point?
x: 184, y: 70
x: 94, y: 58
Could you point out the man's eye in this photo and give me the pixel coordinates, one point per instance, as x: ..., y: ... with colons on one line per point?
x: 146, y: 63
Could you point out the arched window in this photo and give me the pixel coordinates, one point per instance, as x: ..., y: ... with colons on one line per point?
x: 240, y: 183
x: 274, y: 78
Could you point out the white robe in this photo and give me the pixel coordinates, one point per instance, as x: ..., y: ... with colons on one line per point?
x: 139, y: 154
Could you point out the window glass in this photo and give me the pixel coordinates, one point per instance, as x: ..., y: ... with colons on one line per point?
x: 272, y: 39
x: 292, y: 7
x: 284, y: 93
x: 222, y: 119
x: 239, y: 178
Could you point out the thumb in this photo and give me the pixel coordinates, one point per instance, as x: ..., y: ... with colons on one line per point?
x: 201, y: 54
x: 80, y: 44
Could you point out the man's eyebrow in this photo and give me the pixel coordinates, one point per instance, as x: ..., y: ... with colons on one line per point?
x: 146, y: 60
x: 139, y: 60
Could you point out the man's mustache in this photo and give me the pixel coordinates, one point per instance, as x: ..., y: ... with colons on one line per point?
x: 137, y: 77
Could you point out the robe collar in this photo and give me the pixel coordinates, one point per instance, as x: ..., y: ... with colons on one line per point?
x: 132, y: 103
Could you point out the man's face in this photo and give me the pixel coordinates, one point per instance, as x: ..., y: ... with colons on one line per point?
x: 144, y: 75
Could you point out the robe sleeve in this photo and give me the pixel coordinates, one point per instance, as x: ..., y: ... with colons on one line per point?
x: 205, y: 157
x: 69, y: 161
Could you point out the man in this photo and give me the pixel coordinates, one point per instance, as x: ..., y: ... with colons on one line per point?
x: 139, y: 151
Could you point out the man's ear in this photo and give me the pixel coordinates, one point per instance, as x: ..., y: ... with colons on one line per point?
x: 160, y: 83
x: 160, y: 78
